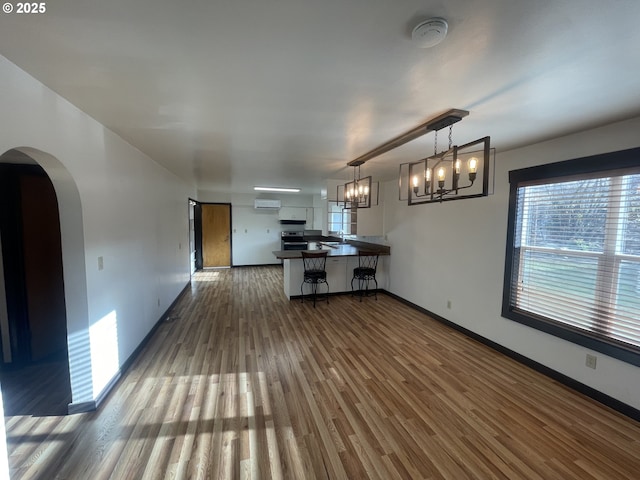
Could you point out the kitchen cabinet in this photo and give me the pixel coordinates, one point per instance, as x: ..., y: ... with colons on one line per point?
x: 318, y: 215
x: 296, y: 213
x: 336, y: 268
x: 339, y: 270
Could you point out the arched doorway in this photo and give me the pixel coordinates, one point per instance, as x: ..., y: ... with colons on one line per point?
x: 33, y: 325
x: 74, y: 272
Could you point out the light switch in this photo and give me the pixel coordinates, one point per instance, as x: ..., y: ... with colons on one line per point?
x: 100, y: 263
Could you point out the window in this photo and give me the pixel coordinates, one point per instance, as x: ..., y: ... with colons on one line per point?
x: 340, y: 219
x: 573, y: 252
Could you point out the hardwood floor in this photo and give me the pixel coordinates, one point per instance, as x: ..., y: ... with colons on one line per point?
x: 38, y: 389
x: 242, y: 383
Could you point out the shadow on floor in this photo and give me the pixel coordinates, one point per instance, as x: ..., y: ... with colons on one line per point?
x: 38, y: 389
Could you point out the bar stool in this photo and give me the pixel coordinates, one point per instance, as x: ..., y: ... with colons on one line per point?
x: 314, y: 273
x: 365, y: 272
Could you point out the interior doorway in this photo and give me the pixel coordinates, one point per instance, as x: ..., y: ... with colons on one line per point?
x: 216, y: 234
x: 192, y: 236
x: 35, y: 367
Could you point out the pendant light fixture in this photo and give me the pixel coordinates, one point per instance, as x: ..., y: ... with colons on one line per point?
x: 456, y: 173
x: 357, y: 193
x: 450, y: 174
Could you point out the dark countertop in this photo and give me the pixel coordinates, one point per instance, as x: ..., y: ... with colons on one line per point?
x: 321, y: 238
x: 333, y: 250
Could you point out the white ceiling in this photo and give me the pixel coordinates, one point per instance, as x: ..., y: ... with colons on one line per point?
x: 233, y: 94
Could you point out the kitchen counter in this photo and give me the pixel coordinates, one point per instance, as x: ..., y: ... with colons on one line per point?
x: 342, y: 258
x: 334, y: 249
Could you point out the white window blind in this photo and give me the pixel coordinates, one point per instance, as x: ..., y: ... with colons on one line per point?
x: 575, y: 256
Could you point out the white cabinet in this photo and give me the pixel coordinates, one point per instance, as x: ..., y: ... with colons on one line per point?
x: 293, y: 274
x: 295, y: 213
x: 352, y: 262
x: 336, y: 273
x: 339, y: 274
x: 318, y: 215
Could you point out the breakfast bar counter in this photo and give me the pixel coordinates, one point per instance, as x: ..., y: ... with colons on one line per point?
x: 342, y: 258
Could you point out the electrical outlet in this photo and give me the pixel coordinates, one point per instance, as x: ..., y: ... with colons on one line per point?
x: 100, y: 263
x: 449, y: 304
x: 591, y: 361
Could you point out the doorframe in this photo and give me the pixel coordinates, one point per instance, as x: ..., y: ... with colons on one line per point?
x: 192, y: 236
x: 16, y: 334
x: 75, y: 276
x: 198, y: 231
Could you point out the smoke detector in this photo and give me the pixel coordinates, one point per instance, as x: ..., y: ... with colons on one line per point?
x: 429, y: 33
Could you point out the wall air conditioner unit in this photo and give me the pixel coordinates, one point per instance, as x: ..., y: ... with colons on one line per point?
x: 263, y: 203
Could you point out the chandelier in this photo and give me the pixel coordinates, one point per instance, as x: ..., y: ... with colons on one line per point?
x: 456, y: 173
x: 357, y: 193
x: 450, y: 174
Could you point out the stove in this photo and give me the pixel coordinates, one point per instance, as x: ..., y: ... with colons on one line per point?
x: 293, y: 240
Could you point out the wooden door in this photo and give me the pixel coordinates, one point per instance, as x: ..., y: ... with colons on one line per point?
x: 216, y: 235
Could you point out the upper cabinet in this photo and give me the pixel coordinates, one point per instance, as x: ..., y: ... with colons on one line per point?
x: 296, y: 213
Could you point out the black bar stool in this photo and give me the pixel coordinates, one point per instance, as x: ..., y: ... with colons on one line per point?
x: 314, y: 273
x: 365, y: 272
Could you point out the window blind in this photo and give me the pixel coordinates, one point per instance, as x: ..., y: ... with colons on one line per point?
x: 574, y: 257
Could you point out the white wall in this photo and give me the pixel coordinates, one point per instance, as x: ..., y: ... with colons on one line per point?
x: 455, y: 251
x: 255, y: 233
x: 115, y: 203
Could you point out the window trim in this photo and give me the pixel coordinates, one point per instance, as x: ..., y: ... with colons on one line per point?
x: 606, y: 162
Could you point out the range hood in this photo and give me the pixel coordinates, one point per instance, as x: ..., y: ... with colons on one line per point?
x: 292, y: 222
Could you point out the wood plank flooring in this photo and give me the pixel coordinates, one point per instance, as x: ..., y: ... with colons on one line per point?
x: 242, y: 383
x: 39, y: 389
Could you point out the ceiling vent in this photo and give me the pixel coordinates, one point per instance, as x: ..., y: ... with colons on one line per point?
x: 263, y: 203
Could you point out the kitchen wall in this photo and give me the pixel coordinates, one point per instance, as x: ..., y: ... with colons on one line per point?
x: 455, y: 251
x: 255, y: 233
x: 124, y: 227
